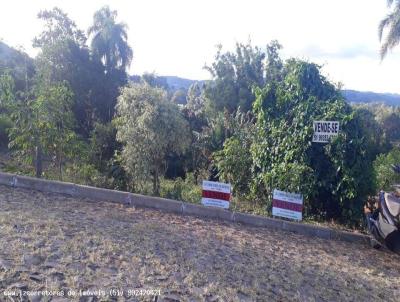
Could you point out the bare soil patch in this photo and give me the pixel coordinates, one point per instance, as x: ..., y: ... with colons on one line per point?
x: 54, y: 242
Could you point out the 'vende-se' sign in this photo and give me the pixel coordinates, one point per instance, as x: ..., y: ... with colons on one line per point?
x: 324, y: 130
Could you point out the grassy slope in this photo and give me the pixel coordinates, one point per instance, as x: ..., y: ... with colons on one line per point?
x: 63, y: 243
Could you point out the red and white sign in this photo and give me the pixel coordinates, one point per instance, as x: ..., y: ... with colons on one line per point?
x: 216, y: 194
x: 288, y: 205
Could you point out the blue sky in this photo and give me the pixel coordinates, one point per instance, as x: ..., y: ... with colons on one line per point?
x: 178, y: 37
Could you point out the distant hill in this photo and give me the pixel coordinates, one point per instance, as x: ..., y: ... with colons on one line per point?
x: 174, y: 83
x: 21, y: 65
x: 354, y: 96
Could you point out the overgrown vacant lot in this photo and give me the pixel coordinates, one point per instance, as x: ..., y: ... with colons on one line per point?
x: 54, y: 242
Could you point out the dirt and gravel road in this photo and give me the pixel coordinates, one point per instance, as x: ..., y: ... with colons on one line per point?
x: 58, y: 245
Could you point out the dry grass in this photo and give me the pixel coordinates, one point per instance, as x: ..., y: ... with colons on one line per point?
x: 54, y: 242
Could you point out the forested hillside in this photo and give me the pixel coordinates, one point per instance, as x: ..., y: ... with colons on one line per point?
x: 73, y: 113
x: 390, y: 99
x: 15, y: 61
x: 175, y: 83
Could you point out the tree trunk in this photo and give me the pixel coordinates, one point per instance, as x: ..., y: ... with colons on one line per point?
x: 156, y: 183
x: 38, y: 160
x: 38, y: 152
x: 60, y: 166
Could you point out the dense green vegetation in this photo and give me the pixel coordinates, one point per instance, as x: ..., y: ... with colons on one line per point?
x: 73, y: 113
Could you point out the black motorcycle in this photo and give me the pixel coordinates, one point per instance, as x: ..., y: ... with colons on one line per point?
x: 384, y: 222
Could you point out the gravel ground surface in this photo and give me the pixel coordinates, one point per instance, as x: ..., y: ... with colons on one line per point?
x: 62, y: 245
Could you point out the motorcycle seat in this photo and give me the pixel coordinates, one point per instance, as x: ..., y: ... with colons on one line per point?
x: 393, y: 204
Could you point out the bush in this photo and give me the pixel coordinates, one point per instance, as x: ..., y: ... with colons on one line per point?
x: 103, y: 145
x: 335, y: 178
x: 85, y: 174
x: 384, y: 175
x: 179, y: 189
x: 234, y: 161
x: 5, y: 124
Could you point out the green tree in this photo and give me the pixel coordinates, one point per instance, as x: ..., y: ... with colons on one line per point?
x: 179, y: 97
x: 44, y: 126
x: 155, y: 81
x: 109, y: 46
x: 150, y: 128
x: 64, y: 56
x: 234, y: 74
x: 195, y: 98
x: 385, y: 176
x: 7, y: 100
x: 274, y: 64
x: 391, y: 127
x: 234, y: 161
x: 103, y: 145
x: 334, y: 178
x: 391, y: 23
x: 110, y: 40
x: 58, y: 27
x: 197, y: 158
x: 388, y: 120
x: 374, y: 132
x: 6, y: 90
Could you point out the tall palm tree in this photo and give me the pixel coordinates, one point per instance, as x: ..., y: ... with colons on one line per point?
x: 392, y: 23
x: 110, y: 40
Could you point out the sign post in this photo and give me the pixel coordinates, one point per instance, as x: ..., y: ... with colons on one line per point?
x: 324, y: 130
x: 216, y: 194
x: 288, y: 205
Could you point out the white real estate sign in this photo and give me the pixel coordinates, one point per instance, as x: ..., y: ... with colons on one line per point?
x: 216, y: 194
x: 288, y: 205
x: 324, y: 130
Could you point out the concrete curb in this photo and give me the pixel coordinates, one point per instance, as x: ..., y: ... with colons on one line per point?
x: 178, y: 207
x: 308, y: 229
x: 163, y: 204
x: 101, y: 194
x: 44, y: 185
x: 259, y: 221
x: 350, y: 237
x: 7, y: 179
x: 202, y: 211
